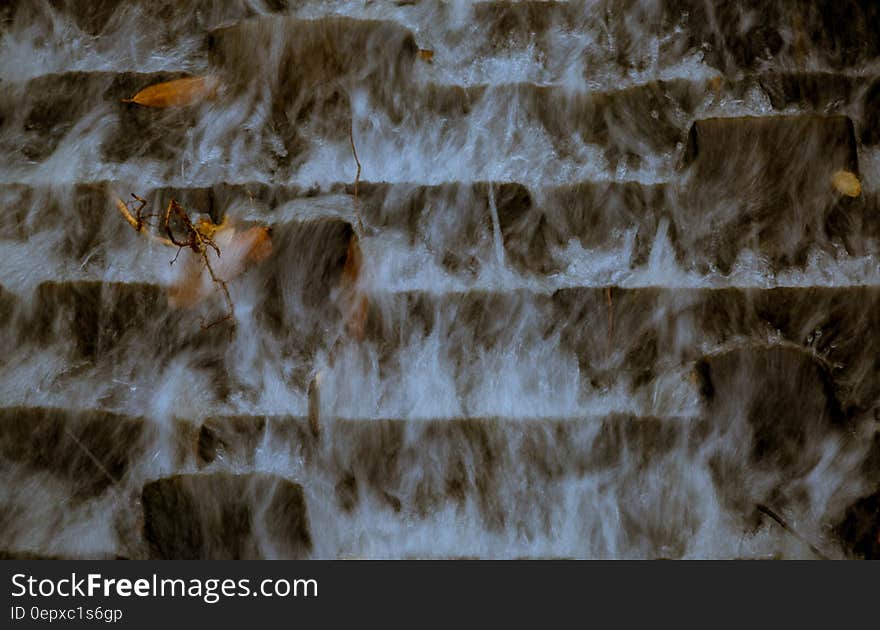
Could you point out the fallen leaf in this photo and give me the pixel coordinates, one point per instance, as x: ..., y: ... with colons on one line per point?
x: 207, y: 227
x: 355, y: 306
x: 240, y: 250
x: 177, y: 93
x: 356, y: 318
x: 259, y: 242
x: 846, y: 183
x: 426, y: 55
x: 351, y: 269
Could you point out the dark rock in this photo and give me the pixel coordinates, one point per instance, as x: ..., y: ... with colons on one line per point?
x: 598, y: 214
x: 96, y: 315
x: 630, y: 441
x: 347, y: 493
x: 783, y: 394
x: 754, y: 34
x: 860, y: 528
x: 313, y: 66
x: 304, y: 275
x: 223, y: 516
x: 764, y: 184
x: 527, y: 234
x: 92, y: 450
x: 821, y: 92
x: 871, y: 115
x: 232, y: 436
x: 234, y: 440
x: 8, y: 304
x: 154, y: 132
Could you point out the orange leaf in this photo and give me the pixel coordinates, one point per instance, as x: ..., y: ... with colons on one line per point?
x: 178, y: 93
x: 351, y: 269
x: 426, y: 55
x: 356, y: 306
x: 356, y: 318
x: 846, y: 183
x: 259, y: 241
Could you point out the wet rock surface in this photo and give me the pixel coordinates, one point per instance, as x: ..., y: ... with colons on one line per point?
x: 217, y: 516
x: 596, y: 290
x: 92, y: 450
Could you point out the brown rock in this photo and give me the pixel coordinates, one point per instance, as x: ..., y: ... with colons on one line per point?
x: 224, y: 516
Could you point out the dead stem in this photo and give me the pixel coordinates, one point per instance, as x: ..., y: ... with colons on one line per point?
x: 137, y: 220
x: 195, y: 239
x: 773, y: 515
x: 199, y: 243
x: 230, y: 313
x: 357, y: 178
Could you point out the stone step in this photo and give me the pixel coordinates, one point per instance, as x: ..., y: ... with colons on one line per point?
x: 746, y: 36
x: 89, y: 450
x: 766, y: 182
x: 418, y: 468
x: 603, y: 42
x: 38, y: 115
x: 631, y: 335
x: 8, y: 305
x: 310, y: 55
x: 100, y: 317
x: 220, y: 516
x: 627, y: 125
x: 512, y: 471
x: 753, y: 35
x: 707, y: 223
x: 100, y: 17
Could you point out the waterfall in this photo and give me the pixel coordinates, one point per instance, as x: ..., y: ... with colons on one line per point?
x: 616, y: 293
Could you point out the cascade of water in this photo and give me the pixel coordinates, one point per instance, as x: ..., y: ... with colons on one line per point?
x: 612, y: 299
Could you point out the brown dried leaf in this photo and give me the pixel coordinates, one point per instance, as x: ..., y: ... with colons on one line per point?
x: 177, y: 93
x: 356, y: 306
x: 846, y: 183
x: 351, y: 269
x: 426, y: 55
x: 240, y: 250
x: 259, y: 243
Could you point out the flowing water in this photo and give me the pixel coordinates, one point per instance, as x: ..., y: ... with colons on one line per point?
x: 616, y: 307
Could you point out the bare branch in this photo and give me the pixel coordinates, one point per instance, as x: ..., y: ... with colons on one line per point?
x: 767, y: 511
x: 138, y: 221
x: 198, y: 239
x: 357, y: 178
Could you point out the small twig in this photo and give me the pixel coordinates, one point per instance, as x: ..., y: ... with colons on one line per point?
x: 357, y: 178
x: 138, y: 221
x: 176, y: 256
x: 230, y: 314
x: 91, y: 456
x: 767, y: 511
x: 196, y: 240
x: 199, y: 243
